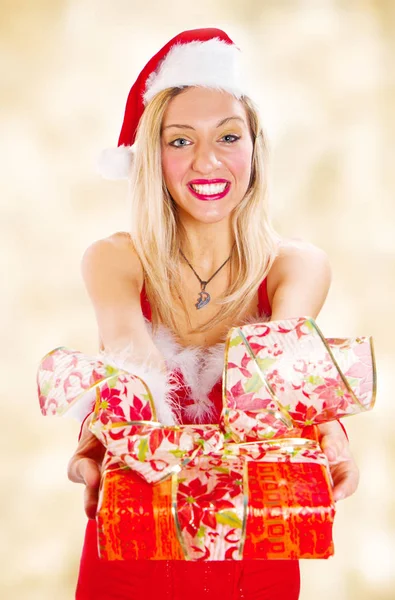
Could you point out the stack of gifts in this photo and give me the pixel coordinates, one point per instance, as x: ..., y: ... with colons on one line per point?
x: 256, y: 486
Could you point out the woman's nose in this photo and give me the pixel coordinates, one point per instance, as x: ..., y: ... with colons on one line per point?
x: 205, y: 159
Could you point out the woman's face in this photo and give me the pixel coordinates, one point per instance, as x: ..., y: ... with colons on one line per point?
x: 206, y: 153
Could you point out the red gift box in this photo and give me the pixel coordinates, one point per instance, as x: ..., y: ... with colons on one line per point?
x: 251, y: 501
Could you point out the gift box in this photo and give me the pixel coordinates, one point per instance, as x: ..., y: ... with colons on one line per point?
x: 255, y: 486
x: 222, y: 507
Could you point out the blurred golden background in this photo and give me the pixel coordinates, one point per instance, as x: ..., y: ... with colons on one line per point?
x: 323, y: 74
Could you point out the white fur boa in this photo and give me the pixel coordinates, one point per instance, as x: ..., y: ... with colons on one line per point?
x: 201, y: 368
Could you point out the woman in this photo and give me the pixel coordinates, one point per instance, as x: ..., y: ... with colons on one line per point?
x: 201, y: 257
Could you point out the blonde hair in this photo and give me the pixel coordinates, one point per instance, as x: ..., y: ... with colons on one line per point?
x: 155, y: 230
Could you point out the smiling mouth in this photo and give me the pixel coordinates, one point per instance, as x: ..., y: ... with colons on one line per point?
x: 209, y: 191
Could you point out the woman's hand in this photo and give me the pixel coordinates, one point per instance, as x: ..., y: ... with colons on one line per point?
x: 84, y: 467
x: 344, y: 470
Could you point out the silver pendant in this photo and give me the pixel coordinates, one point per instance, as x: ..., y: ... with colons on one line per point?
x: 203, y: 299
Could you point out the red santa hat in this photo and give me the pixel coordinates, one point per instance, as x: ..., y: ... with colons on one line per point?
x: 198, y: 57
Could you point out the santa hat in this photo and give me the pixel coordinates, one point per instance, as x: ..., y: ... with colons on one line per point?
x: 199, y: 57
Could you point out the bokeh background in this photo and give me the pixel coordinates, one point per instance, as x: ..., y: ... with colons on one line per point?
x: 323, y: 74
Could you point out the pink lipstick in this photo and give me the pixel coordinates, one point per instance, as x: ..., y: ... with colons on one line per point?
x: 209, y: 189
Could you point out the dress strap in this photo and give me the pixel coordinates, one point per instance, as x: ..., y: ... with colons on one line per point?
x: 145, y: 305
x: 263, y: 300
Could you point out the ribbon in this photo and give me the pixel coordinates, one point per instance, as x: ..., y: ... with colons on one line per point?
x: 283, y: 375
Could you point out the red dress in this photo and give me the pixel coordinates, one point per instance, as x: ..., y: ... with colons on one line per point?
x: 178, y: 580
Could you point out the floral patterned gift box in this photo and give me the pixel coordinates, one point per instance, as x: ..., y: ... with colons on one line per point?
x: 255, y: 486
x: 273, y: 500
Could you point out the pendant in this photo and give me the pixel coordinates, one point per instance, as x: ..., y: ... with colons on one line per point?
x: 203, y: 299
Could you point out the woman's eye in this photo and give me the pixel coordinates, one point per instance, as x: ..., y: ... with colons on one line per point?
x: 179, y: 143
x: 230, y: 138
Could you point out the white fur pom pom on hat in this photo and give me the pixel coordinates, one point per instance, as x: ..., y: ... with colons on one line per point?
x: 115, y: 163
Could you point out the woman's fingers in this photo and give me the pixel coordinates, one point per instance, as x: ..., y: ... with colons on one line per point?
x: 90, y: 473
x: 344, y: 471
x: 88, y: 447
x: 87, y: 471
x: 343, y: 468
x: 336, y: 448
x: 345, y: 477
x: 333, y: 441
x: 84, y: 467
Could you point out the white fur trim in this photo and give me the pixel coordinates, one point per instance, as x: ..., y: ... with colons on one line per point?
x: 115, y: 163
x: 201, y: 368
x: 161, y: 385
x: 213, y: 64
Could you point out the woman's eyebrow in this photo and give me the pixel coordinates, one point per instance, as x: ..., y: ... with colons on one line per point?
x: 229, y: 119
x: 179, y: 126
x: 219, y: 124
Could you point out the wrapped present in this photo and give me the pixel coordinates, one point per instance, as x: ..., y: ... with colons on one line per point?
x: 255, y: 486
x: 268, y: 500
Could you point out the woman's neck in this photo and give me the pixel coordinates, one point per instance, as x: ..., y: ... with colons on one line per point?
x: 207, y: 245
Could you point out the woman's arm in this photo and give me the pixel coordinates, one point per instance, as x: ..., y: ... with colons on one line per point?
x: 298, y: 284
x: 113, y: 277
x: 299, y: 281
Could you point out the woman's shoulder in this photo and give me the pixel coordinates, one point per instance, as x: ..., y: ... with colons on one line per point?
x: 297, y: 259
x: 113, y: 254
x: 291, y: 247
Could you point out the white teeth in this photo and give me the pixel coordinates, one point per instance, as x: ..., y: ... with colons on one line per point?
x: 209, y: 189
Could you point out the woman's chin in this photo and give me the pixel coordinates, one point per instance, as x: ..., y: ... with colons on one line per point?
x: 209, y: 218
x: 209, y: 213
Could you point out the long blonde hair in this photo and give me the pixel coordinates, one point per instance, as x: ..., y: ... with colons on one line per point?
x: 155, y: 230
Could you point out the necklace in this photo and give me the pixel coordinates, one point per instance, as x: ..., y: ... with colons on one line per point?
x: 204, y: 297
